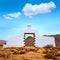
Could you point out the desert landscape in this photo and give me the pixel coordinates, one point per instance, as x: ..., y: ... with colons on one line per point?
x: 29, y: 30
x: 30, y: 53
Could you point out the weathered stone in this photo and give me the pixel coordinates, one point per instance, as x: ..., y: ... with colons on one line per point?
x: 29, y: 41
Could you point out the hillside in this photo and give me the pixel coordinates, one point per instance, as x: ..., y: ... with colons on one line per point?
x: 30, y: 53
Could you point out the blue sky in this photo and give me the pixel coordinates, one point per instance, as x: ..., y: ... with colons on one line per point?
x: 15, y: 15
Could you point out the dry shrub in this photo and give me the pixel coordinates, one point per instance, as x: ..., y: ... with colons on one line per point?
x: 50, y: 56
x: 22, y: 52
x: 19, y: 52
x: 48, y: 46
x: 5, y: 54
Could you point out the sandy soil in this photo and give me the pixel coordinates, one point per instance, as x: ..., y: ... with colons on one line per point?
x: 30, y: 53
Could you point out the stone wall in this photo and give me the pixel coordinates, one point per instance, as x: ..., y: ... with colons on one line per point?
x: 57, y: 38
x: 29, y: 41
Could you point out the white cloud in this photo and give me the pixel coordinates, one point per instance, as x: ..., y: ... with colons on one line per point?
x: 30, y: 10
x: 12, y: 15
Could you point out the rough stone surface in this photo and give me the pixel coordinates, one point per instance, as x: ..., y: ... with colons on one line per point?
x: 29, y: 41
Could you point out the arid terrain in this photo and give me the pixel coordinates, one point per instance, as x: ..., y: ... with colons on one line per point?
x: 30, y: 53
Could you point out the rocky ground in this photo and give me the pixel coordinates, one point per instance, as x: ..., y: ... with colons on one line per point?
x: 30, y: 53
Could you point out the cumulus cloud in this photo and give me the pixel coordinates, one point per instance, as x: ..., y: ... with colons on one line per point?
x: 30, y: 10
x: 12, y: 15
